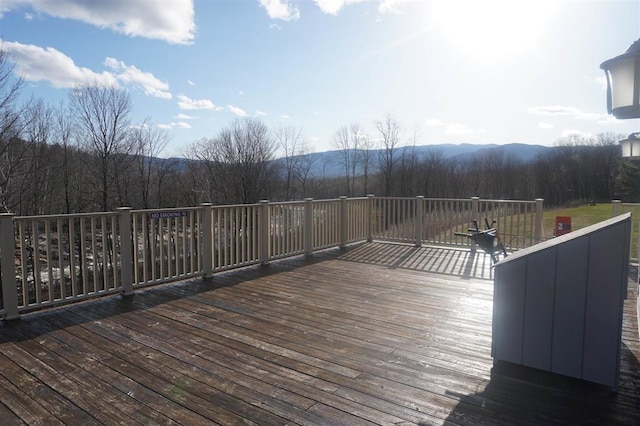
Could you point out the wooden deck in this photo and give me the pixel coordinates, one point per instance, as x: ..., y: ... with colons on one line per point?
x: 379, y: 334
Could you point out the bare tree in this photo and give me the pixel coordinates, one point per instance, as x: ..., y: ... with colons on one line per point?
x: 37, y: 190
x: 408, y: 165
x: 14, y: 117
x: 148, y: 142
x: 364, y: 157
x: 202, y: 169
x: 390, y: 135
x: 102, y: 119
x: 304, y: 175
x: 235, y: 166
x: 71, y: 159
x: 348, y: 147
x: 291, y: 143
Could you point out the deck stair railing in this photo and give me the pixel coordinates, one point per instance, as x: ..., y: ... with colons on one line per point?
x: 57, y: 259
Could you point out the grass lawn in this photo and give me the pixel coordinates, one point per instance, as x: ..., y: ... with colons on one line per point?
x: 586, y: 215
x: 581, y: 216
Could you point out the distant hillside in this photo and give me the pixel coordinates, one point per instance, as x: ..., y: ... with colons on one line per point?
x: 329, y: 163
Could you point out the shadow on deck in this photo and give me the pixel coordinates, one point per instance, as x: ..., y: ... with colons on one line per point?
x: 377, y: 334
x: 440, y: 260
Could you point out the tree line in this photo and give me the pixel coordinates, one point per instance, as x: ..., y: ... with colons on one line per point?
x: 86, y: 155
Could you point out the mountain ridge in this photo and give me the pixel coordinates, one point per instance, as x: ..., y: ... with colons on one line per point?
x: 329, y: 163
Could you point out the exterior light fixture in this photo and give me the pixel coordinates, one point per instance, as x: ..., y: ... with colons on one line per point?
x: 631, y: 146
x: 623, y: 84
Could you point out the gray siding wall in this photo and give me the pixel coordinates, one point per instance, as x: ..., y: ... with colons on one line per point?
x: 558, y: 305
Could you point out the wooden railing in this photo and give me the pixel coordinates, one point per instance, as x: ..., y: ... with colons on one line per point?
x: 59, y: 259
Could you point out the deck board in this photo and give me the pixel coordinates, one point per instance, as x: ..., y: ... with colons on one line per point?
x: 378, y: 334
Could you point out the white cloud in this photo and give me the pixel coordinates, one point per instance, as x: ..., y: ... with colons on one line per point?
x: 456, y: 129
x: 237, y: 111
x: 433, y: 122
x: 571, y: 112
x: 34, y: 63
x: 389, y: 6
x: 543, y: 125
x: 169, y: 20
x: 187, y: 103
x: 184, y: 117
x: 554, y: 110
x: 191, y: 83
x: 260, y: 113
x: 281, y: 9
x: 129, y: 74
x: 286, y: 117
x: 178, y: 125
x: 331, y: 7
x: 453, y: 129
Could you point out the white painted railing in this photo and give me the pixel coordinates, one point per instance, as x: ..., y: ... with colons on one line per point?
x: 64, y: 258
x: 166, y: 245
x: 53, y: 260
x: 437, y: 220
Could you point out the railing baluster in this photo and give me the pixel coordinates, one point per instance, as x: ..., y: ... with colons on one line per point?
x: 126, y: 273
x: 8, y: 267
x: 24, y: 271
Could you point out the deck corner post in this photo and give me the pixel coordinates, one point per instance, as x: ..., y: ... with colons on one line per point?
x: 539, y: 218
x: 207, y: 240
x: 344, y: 221
x: 264, y: 232
x: 8, y: 267
x: 419, y: 219
x: 308, y: 226
x: 475, y: 216
x: 126, y: 250
x: 615, y: 207
x: 371, y: 205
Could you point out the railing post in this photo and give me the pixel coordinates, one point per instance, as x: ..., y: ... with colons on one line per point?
x: 308, y: 226
x: 344, y: 224
x: 371, y: 203
x: 264, y: 232
x: 539, y: 218
x: 8, y: 265
x: 615, y: 206
x: 475, y: 216
x: 126, y: 251
x: 419, y: 214
x: 207, y: 241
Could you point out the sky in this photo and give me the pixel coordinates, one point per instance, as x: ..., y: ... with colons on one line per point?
x: 449, y: 71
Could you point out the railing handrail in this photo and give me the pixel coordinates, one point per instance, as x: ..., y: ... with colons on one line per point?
x: 170, y: 209
x: 64, y: 216
x: 64, y: 258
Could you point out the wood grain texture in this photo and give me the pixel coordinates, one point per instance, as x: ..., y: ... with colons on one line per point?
x: 377, y: 334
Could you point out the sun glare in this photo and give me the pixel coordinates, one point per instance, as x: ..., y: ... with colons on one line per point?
x: 492, y: 28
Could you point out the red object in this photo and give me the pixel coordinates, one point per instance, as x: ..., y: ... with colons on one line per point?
x: 563, y: 225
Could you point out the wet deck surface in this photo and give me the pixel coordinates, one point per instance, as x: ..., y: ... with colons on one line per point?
x: 379, y: 334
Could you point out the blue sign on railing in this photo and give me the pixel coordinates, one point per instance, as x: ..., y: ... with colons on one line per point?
x: 164, y: 215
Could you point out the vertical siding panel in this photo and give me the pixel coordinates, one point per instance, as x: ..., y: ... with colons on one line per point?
x: 570, y: 297
x: 538, y: 314
x: 508, y: 309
